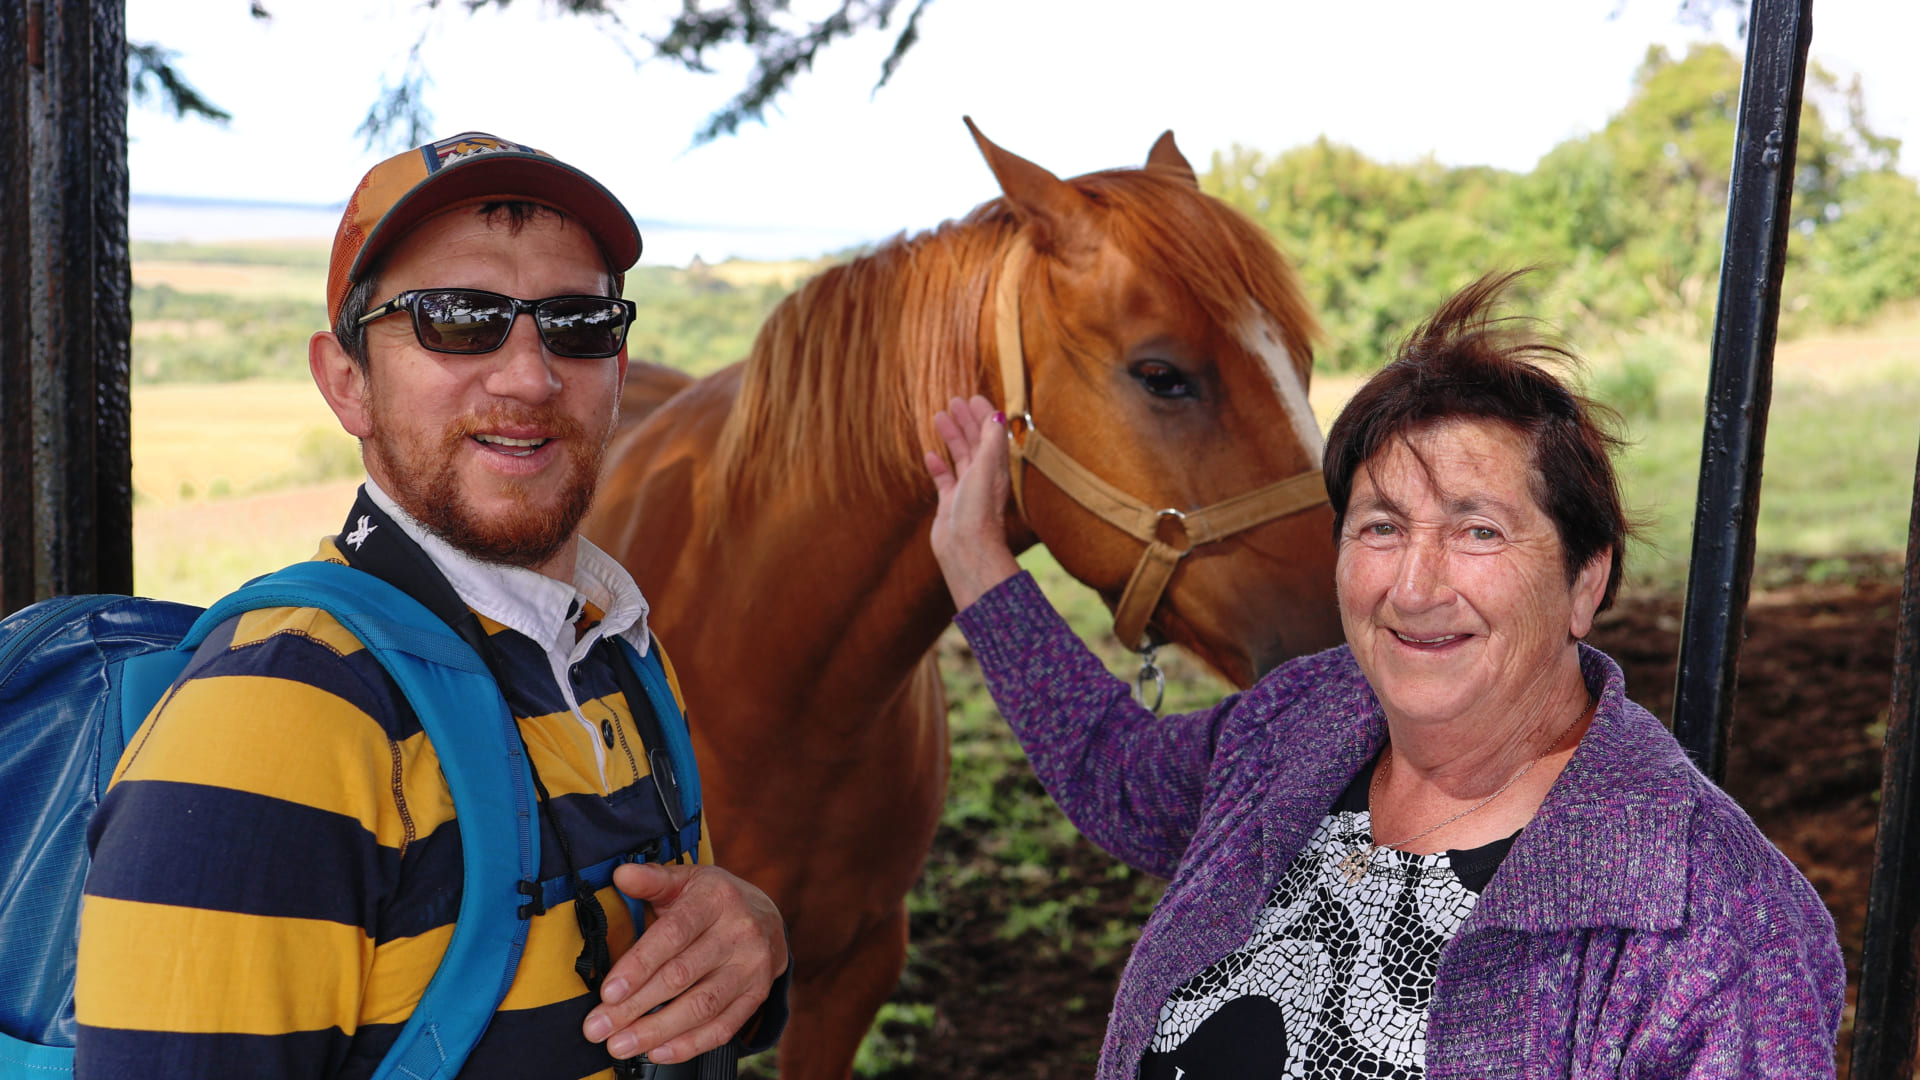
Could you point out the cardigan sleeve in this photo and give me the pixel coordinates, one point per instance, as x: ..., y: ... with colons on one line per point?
x: 1130, y: 781
x: 1770, y: 999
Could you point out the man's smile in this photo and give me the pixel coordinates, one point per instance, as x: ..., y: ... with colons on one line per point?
x: 511, y: 446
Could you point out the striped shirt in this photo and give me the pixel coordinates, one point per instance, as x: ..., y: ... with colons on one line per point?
x: 277, y: 866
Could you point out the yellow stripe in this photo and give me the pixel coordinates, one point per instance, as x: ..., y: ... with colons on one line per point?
x: 546, y: 971
x: 288, y: 740
x: 401, y: 970
x: 156, y: 967
x: 257, y: 626
x: 563, y: 751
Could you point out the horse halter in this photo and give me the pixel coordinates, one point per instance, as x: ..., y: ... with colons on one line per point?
x: 1169, y: 534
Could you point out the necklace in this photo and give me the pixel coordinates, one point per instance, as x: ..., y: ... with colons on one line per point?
x: 1360, y: 859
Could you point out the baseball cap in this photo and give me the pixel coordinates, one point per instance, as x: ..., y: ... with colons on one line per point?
x: 410, y: 187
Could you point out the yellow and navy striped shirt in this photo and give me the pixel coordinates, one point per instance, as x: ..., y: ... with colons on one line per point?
x: 277, y: 868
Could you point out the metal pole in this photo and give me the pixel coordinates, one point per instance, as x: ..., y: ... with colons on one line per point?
x: 1884, y: 1020
x: 66, y: 508
x: 1740, y: 383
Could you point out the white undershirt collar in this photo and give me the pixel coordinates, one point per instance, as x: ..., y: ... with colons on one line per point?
x: 531, y: 602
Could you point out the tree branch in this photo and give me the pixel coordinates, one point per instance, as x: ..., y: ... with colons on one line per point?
x: 151, y: 74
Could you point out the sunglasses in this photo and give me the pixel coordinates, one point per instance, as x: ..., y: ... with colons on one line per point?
x: 467, y: 322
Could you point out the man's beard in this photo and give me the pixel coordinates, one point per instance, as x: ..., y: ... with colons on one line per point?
x: 425, y: 485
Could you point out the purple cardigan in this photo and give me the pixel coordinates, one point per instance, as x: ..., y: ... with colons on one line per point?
x: 1640, y: 927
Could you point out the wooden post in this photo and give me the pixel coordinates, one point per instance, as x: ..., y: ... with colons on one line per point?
x: 66, y: 505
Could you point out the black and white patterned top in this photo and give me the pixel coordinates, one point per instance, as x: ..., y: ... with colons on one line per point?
x: 1336, y: 979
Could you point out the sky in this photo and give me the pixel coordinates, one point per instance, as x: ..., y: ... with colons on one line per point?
x: 1074, y: 85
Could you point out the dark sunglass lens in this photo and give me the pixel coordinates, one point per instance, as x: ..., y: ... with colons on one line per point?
x: 459, y: 321
x: 582, y: 326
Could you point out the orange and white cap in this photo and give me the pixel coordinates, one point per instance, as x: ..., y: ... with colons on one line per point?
x: 410, y: 187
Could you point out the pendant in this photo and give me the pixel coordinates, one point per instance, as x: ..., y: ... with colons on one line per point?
x: 1356, y: 864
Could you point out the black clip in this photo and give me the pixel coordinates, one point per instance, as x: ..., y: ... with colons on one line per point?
x: 537, y: 900
x: 667, y: 784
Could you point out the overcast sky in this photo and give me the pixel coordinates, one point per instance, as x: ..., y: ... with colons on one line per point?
x: 1075, y: 86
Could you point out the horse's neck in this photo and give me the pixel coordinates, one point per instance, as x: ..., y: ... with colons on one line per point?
x: 853, y: 583
x: 832, y: 515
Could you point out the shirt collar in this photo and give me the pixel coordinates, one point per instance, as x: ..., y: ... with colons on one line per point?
x: 527, y: 600
x: 1610, y: 845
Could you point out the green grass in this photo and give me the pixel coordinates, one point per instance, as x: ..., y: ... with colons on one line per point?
x: 1838, y: 469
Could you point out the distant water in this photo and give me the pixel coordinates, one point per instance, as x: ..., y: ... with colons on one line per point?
x: 168, y: 217
x: 177, y: 218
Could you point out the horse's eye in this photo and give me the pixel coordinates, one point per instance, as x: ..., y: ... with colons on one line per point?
x: 1162, y: 379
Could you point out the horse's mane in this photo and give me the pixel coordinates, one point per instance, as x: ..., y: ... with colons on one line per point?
x: 838, y: 393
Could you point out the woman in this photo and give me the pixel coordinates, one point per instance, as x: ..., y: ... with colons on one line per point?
x: 1451, y: 848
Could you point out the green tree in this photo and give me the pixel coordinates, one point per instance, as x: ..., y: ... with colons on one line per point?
x: 1626, y: 223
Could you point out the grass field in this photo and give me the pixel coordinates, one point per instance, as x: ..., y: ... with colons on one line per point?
x: 1844, y: 425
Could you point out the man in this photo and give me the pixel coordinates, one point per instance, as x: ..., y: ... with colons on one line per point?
x: 277, y: 870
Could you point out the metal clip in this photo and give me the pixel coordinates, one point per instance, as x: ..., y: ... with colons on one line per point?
x: 1150, y: 670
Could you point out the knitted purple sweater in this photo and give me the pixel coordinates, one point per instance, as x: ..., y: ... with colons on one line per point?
x: 1640, y: 927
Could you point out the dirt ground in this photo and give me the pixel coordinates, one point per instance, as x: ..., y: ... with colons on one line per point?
x: 1815, y: 680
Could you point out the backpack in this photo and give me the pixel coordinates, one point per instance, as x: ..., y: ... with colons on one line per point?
x: 79, y: 674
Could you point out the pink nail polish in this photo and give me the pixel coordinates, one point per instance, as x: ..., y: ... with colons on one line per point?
x: 1000, y: 418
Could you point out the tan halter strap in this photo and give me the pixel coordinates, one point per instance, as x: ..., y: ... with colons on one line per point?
x: 1167, y: 533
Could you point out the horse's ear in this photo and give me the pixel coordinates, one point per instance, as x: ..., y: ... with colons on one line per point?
x: 1165, y: 155
x: 1051, y: 209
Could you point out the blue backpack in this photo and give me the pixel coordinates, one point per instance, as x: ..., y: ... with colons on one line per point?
x: 79, y: 674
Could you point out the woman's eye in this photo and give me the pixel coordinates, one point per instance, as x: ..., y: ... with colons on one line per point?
x: 1482, y: 532
x: 1162, y: 379
x: 1381, y: 528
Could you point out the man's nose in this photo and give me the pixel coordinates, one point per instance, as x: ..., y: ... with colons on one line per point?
x: 523, y: 369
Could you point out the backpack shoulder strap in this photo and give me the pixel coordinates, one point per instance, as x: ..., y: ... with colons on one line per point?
x: 450, y: 690
x: 669, y: 743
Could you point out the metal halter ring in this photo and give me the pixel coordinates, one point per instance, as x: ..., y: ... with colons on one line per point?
x: 1178, y: 517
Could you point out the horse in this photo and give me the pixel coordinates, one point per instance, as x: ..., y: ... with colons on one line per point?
x: 776, y: 513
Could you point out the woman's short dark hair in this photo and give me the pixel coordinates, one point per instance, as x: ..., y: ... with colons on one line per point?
x: 1463, y: 364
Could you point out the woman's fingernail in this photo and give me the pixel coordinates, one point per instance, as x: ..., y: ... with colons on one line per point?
x: 625, y: 1046
x: 614, y: 992
x: 598, y: 1027
x: 1000, y: 418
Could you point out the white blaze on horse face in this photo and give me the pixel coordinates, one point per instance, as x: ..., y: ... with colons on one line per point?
x: 1262, y: 338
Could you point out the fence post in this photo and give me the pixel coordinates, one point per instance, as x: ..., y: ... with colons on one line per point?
x: 66, y: 504
x: 1740, y: 382
x: 1884, y: 1019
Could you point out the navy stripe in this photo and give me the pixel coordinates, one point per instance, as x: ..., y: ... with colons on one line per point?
x: 432, y: 877
x: 356, y: 678
x: 526, y: 675
x: 116, y: 1053
x: 236, y: 851
x: 601, y: 827
x: 544, y: 1042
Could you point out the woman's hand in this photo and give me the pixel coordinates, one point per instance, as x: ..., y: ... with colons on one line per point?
x: 969, y: 529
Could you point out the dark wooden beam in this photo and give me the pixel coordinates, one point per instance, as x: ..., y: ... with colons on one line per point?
x: 66, y: 507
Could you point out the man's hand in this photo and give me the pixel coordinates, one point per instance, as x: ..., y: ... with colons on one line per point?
x: 711, y: 953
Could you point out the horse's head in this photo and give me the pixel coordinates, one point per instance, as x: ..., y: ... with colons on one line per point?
x: 1167, y: 348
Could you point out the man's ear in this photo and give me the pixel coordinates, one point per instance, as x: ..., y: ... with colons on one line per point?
x: 341, y: 382
x: 1589, y: 588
